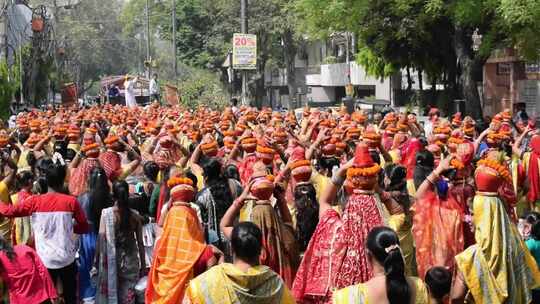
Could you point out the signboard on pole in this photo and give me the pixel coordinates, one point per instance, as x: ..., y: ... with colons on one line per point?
x: 244, y: 52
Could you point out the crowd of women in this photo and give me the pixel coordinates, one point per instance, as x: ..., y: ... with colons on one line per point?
x: 109, y: 204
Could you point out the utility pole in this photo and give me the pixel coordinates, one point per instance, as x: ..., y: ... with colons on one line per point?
x: 244, y: 30
x: 147, y: 13
x: 175, y: 64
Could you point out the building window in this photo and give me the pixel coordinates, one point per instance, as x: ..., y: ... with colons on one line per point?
x: 504, y: 68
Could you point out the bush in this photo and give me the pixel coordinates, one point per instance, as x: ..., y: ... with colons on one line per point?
x: 200, y: 87
x: 7, y: 88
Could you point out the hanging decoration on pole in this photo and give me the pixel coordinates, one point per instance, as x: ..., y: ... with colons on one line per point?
x: 244, y: 52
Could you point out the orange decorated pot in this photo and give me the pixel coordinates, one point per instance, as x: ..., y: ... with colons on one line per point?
x: 182, y: 193
x: 262, y: 188
x: 487, y: 179
x: 249, y: 145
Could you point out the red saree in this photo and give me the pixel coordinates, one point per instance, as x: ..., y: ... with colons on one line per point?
x: 350, y: 264
x: 245, y: 168
x: 79, y: 177
x: 111, y: 163
x: 438, y: 232
x: 313, y: 279
x: 336, y: 255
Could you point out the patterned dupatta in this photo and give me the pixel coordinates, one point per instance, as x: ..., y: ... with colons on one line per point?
x: 107, y: 276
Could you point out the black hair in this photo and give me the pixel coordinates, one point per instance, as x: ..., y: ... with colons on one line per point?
x: 60, y: 146
x: 379, y: 242
x: 133, y: 153
x: 41, y: 166
x: 193, y: 178
x: 231, y: 172
x: 397, y: 175
x: 40, y: 185
x: 121, y: 196
x: 535, y: 231
x: 246, y: 241
x: 24, y: 179
x: 328, y: 163
x: 151, y: 170
x: 70, y: 154
x: 55, y: 174
x: 218, y: 186
x: 6, y: 248
x: 234, y: 101
x: 375, y: 156
x: 98, y: 194
x: 532, y: 217
x: 305, y: 201
x: 22, y: 137
x: 31, y: 160
x: 439, y: 281
x: 425, y: 163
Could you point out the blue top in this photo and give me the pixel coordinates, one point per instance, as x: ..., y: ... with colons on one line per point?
x: 534, y: 248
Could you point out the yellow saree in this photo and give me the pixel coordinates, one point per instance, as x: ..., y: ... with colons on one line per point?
x: 227, y: 284
x: 358, y: 294
x: 401, y: 223
x: 498, y: 268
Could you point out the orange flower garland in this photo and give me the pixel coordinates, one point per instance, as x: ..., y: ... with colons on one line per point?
x: 111, y: 139
x: 442, y: 130
x: 300, y: 163
x: 89, y: 147
x: 249, y: 140
x: 265, y: 150
x: 456, y: 163
x: 369, y: 171
x: 456, y: 140
x: 178, y: 180
x: 495, y: 165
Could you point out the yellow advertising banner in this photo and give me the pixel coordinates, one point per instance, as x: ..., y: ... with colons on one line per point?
x: 244, y: 51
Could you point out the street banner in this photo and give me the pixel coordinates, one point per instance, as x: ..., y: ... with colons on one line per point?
x: 244, y: 52
x: 171, y: 95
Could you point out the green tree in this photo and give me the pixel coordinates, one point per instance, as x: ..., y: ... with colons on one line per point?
x: 93, y: 44
x: 434, y: 36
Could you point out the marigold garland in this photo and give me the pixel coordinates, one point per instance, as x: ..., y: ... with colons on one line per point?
x: 456, y: 163
x: 495, y: 165
x: 442, y: 130
x: 372, y: 136
x: 456, y: 140
x: 300, y: 163
x: 178, y: 180
x: 265, y: 150
x: 209, y: 146
x: 111, y: 139
x: 249, y: 140
x: 369, y: 171
x: 89, y: 147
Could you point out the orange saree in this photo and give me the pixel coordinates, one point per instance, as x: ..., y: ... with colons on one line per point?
x: 175, y: 254
x: 438, y: 232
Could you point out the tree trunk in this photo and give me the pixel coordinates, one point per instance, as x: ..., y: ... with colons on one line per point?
x: 468, y: 66
x: 290, y: 55
x: 420, y: 80
x: 409, y: 80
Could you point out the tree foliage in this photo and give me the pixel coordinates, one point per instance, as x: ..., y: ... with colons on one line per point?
x: 94, y: 46
x: 434, y: 36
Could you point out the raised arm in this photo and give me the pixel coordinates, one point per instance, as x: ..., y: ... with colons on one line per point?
x: 479, y: 140
x: 516, y: 146
x: 328, y: 196
x: 433, y: 177
x: 227, y: 222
